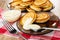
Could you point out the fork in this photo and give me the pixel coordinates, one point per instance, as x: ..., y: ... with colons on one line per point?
x: 11, y: 29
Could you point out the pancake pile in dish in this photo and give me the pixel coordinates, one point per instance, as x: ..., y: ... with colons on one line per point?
x: 41, y: 17
x: 28, y: 20
x: 36, y: 5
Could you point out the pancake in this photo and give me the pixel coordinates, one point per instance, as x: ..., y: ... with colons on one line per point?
x: 28, y: 18
x: 47, y: 6
x: 42, y: 17
x: 40, y: 2
x: 26, y: 0
x: 35, y: 7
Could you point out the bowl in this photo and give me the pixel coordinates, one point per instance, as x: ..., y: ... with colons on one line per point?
x: 49, y: 23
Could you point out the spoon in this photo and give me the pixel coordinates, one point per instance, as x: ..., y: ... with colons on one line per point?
x: 54, y: 24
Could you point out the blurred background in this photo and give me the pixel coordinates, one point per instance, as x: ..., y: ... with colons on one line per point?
x: 3, y: 4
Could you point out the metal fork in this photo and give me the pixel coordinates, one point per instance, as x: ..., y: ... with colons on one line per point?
x: 11, y: 29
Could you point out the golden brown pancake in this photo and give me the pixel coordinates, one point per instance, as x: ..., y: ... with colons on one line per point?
x: 47, y: 6
x: 35, y: 7
x: 27, y: 16
x: 42, y: 17
x: 26, y: 0
x: 40, y: 2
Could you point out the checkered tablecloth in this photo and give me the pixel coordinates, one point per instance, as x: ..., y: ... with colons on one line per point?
x: 54, y: 35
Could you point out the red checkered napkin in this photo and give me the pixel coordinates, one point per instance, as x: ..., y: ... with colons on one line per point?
x: 55, y: 35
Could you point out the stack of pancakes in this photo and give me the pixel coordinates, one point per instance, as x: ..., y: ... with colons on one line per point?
x: 27, y: 21
x: 41, y: 17
x: 36, y: 12
x: 36, y: 5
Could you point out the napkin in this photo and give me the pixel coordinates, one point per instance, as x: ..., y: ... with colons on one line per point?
x: 54, y: 35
